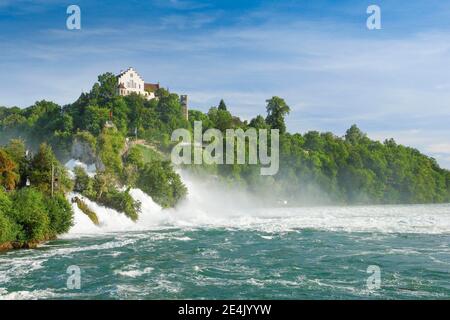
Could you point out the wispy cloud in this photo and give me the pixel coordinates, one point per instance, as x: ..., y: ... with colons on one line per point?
x: 192, y: 21
x: 182, y: 4
x: 443, y: 148
x: 332, y: 74
x: 25, y: 7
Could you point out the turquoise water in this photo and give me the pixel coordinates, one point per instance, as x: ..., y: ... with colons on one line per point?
x: 215, y: 262
x: 220, y: 244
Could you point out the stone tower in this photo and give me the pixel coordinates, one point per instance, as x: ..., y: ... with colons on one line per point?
x: 184, y: 105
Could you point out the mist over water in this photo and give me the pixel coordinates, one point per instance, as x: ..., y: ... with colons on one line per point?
x: 212, y: 205
x: 222, y: 243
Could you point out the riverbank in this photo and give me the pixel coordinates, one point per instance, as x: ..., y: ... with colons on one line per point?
x: 6, y: 246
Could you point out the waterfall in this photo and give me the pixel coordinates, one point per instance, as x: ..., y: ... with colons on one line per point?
x: 210, y: 204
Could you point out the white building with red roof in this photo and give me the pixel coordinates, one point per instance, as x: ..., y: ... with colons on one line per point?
x: 129, y: 81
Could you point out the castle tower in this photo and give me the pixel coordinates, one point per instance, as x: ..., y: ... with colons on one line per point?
x: 184, y: 105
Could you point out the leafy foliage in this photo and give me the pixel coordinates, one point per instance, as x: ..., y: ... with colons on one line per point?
x: 222, y: 105
x: 29, y: 215
x: 277, y: 109
x: 29, y: 212
x: 158, y: 179
x: 86, y: 210
x: 110, y: 148
x: 9, y: 175
x: 103, y: 190
x: 8, y: 230
x: 314, y: 167
x: 43, y: 165
x: 60, y: 214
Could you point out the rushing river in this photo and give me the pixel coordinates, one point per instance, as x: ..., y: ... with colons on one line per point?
x: 215, y: 248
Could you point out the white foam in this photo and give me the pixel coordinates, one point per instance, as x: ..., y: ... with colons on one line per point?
x: 91, y: 169
x: 134, y: 273
x: 21, y: 267
x: 208, y: 205
x: 27, y: 295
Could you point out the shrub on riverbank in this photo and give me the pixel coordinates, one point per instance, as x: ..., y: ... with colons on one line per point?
x: 121, y: 201
x: 102, y: 189
x: 28, y: 216
x: 162, y: 183
x: 8, y: 229
x: 60, y: 213
x: 145, y: 169
x: 86, y: 210
x: 32, y: 214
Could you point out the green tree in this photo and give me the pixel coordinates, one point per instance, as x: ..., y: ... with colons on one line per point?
x: 123, y: 202
x: 110, y: 146
x: 277, y: 109
x: 164, y: 185
x: 222, y: 105
x: 354, y: 135
x: 221, y: 119
x: 8, y: 229
x: 105, y: 89
x: 29, y: 211
x: 41, y: 171
x: 135, y: 110
x: 170, y: 111
x: 9, y: 175
x: 195, y: 115
x: 83, y: 183
x: 94, y: 119
x: 259, y: 123
x: 121, y: 113
x: 17, y: 151
x: 60, y: 214
x: 134, y: 160
x: 7, y: 232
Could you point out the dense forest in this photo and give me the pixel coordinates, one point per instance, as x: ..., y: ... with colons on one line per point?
x: 315, y: 168
x: 322, y: 168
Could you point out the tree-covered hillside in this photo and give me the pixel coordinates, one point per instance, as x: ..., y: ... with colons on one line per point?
x: 321, y: 168
x: 314, y: 167
x: 34, y: 184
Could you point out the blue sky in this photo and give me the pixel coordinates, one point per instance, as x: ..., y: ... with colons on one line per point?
x: 318, y: 55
